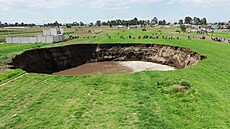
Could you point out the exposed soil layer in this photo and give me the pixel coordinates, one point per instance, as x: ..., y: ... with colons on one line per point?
x: 50, y: 60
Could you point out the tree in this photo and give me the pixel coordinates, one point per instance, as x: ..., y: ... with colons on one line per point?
x: 142, y: 22
x: 183, y: 28
x: 154, y: 21
x: 163, y: 22
x: 188, y: 20
x: 203, y: 21
x: 221, y: 23
x: 196, y: 21
x: 98, y: 23
x: 135, y: 21
x: 147, y: 22
x: 68, y: 25
x: 16, y: 24
x: 82, y: 24
x: 56, y: 23
x: 75, y: 24
x: 228, y: 27
x: 22, y: 24
x: 181, y: 21
x: 111, y: 23
x: 104, y: 23
x: 49, y: 24
x: 118, y: 22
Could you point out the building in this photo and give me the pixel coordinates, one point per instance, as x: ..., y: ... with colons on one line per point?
x: 215, y: 27
x: 121, y: 26
x: 52, y: 35
x: 135, y: 26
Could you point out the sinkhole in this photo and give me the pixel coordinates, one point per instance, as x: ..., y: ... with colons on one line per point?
x: 86, y: 59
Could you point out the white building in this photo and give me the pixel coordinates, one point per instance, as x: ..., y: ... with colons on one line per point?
x: 49, y: 36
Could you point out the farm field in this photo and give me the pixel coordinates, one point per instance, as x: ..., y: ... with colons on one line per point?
x: 146, y: 99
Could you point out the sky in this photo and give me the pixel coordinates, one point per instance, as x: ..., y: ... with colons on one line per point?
x: 66, y: 11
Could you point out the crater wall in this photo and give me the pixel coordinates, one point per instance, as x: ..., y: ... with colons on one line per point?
x: 49, y: 60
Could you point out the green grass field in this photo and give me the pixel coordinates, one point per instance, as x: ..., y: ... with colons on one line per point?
x: 224, y: 35
x: 13, y: 32
x: 2, y: 40
x: 136, y: 100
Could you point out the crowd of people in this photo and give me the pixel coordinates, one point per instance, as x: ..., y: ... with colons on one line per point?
x: 218, y: 39
x: 153, y: 36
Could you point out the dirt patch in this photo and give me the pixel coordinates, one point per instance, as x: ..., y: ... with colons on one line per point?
x: 77, y: 31
x: 114, y: 67
x: 96, y: 68
x: 86, y: 31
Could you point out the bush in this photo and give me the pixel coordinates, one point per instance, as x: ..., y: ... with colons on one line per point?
x: 185, y: 84
x: 228, y: 27
x: 68, y: 26
x: 183, y: 28
x: 178, y: 31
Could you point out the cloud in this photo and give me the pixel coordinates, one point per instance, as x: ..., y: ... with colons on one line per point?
x: 6, y: 5
x: 23, y: 4
x: 202, y: 3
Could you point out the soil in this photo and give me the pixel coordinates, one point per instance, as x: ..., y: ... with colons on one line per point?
x: 113, y: 67
x: 83, y: 31
x: 96, y: 68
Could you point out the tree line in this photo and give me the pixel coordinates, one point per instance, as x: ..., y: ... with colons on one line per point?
x: 117, y: 22
x: 16, y: 24
x: 134, y: 21
x: 193, y: 21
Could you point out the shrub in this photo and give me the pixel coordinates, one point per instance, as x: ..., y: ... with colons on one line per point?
x: 177, y: 31
x: 185, y: 84
x: 228, y: 27
x: 183, y: 28
x: 68, y: 26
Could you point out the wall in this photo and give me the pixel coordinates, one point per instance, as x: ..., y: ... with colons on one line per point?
x: 40, y: 38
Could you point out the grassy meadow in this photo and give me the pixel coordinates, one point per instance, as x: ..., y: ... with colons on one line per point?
x: 145, y: 100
